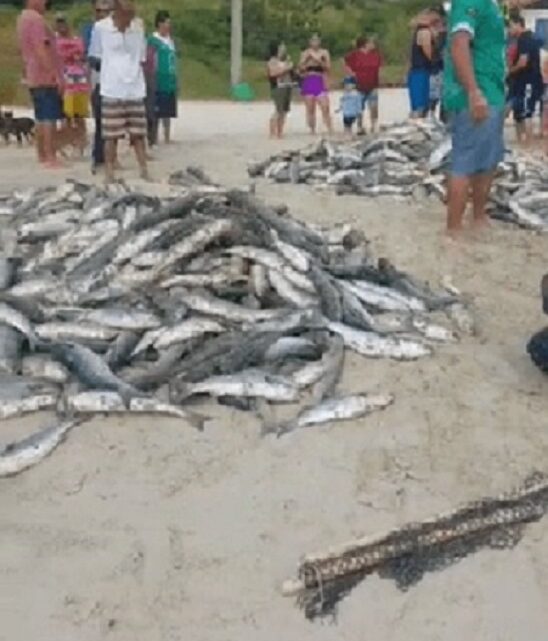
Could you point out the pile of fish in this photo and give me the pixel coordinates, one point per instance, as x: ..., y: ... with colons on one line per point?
x: 114, y: 301
x: 410, y: 160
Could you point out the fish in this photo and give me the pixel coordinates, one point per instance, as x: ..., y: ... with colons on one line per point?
x: 121, y: 349
x: 18, y: 457
x: 297, y: 347
x: 7, y: 272
x: 288, y: 292
x: 213, y: 306
x: 42, y: 367
x: 250, y: 383
x: 166, y: 337
x: 374, y: 345
x: 10, y: 408
x: 13, y: 318
x: 92, y: 370
x: 103, y: 402
x: 10, y: 350
x: 122, y: 319
x: 72, y: 331
x: 332, y: 410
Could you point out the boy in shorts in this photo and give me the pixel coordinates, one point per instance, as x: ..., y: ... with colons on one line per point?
x: 351, y: 105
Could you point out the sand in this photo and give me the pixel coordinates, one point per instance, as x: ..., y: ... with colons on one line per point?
x: 144, y: 530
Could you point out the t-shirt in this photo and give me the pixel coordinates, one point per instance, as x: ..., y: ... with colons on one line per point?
x: 365, y: 65
x: 351, y: 104
x: 72, y: 55
x: 166, y: 63
x: 483, y: 20
x: 529, y: 46
x: 122, y: 55
x: 32, y: 32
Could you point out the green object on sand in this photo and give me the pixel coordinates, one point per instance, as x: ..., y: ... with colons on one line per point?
x: 242, y: 92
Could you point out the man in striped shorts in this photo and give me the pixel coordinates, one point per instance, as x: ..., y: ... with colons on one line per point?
x: 118, y: 43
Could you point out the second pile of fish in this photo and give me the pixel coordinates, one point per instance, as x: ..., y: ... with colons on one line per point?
x: 410, y: 159
x: 113, y: 301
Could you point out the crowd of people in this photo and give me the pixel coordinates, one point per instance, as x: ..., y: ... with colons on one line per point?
x: 127, y: 80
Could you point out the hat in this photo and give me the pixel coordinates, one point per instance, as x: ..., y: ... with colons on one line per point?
x: 349, y: 81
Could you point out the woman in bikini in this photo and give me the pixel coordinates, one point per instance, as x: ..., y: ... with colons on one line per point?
x: 315, y: 65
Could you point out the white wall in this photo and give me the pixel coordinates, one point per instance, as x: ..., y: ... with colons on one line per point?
x: 531, y: 16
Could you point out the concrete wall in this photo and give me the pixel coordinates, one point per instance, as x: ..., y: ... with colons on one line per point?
x: 531, y: 16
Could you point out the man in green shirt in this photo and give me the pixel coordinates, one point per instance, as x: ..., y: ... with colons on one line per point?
x: 474, y: 95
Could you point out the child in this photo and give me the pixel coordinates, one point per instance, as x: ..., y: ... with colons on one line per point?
x: 351, y: 105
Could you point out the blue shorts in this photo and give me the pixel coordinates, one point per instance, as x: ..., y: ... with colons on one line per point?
x: 370, y: 98
x: 477, y: 147
x: 48, y: 105
x: 525, y: 102
x: 418, y: 83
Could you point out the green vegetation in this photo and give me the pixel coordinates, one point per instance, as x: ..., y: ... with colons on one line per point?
x: 202, y: 30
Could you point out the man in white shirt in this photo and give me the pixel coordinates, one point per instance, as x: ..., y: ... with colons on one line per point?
x: 119, y: 43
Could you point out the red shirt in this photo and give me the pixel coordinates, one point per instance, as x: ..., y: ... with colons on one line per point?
x: 365, y: 65
x: 32, y: 31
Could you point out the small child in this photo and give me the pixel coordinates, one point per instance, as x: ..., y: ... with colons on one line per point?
x: 351, y: 105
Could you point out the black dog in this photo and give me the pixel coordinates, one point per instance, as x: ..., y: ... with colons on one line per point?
x: 21, y: 128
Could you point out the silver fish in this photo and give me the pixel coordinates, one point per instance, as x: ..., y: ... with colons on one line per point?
x: 339, y: 409
x: 10, y: 408
x: 376, y: 346
x: 10, y: 350
x: 102, y: 402
x: 122, y: 319
x: 246, y: 384
x: 206, y: 304
x: 288, y: 292
x: 17, y: 457
x: 13, y: 318
x: 63, y: 332
x: 42, y: 367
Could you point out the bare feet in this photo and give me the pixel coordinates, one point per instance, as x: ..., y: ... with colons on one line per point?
x: 54, y: 164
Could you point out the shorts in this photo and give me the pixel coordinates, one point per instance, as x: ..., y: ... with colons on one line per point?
x: 370, y: 98
x: 436, y: 85
x: 348, y: 121
x: 525, y: 103
x: 123, y: 116
x: 418, y: 83
x: 166, y: 104
x: 48, y: 106
x: 281, y: 97
x: 313, y: 86
x: 76, y: 105
x: 477, y: 147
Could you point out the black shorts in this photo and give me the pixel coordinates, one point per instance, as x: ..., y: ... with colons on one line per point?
x: 349, y: 121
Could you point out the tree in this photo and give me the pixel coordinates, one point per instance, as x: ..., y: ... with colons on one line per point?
x: 236, y: 42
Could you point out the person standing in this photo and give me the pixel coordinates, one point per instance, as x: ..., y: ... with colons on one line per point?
x: 526, y: 77
x: 314, y: 66
x: 119, y: 43
x: 364, y: 64
x: 166, y: 73
x: 474, y: 84
x: 43, y: 76
x: 279, y: 70
x: 422, y: 53
x: 102, y: 9
x: 439, y: 31
x: 71, y: 52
